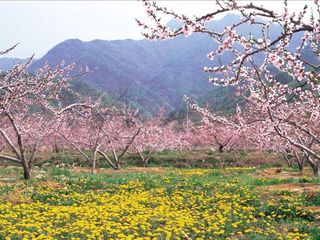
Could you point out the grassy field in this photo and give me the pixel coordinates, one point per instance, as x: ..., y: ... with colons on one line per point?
x: 160, y: 203
x: 184, y: 159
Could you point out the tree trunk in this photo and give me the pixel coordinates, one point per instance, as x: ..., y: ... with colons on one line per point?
x: 26, y: 171
x: 221, y: 149
x: 289, y: 162
x: 287, y: 157
x: 93, y: 168
x: 316, y: 169
x: 300, y: 166
x: 315, y: 165
x: 117, y: 165
x: 56, y: 148
x: 300, y: 161
x: 144, y: 163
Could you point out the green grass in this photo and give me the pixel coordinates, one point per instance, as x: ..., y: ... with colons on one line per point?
x: 179, y: 159
x: 61, y: 172
x: 312, y: 199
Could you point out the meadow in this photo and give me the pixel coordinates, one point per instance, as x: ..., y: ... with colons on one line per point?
x: 228, y: 202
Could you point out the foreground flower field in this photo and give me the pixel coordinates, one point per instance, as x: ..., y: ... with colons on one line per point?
x: 178, y: 204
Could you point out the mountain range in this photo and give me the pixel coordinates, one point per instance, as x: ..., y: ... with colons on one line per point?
x: 148, y: 74
x: 144, y: 74
x: 7, y: 63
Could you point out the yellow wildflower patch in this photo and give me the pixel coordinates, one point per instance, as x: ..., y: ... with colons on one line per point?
x: 184, y: 204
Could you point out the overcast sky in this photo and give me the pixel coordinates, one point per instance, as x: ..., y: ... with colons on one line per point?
x: 40, y: 25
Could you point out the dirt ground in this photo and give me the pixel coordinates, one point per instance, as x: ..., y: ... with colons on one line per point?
x: 294, y: 187
x: 280, y: 173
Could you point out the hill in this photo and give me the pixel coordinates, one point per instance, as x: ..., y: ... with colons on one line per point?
x: 149, y: 74
x: 7, y: 63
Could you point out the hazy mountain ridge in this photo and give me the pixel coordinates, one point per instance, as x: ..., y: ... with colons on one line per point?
x: 7, y: 63
x: 149, y: 74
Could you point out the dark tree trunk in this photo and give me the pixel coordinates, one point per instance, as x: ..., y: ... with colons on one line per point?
x: 315, y: 165
x: 144, y: 163
x: 289, y: 162
x: 316, y: 169
x: 300, y: 161
x: 117, y: 165
x: 300, y: 166
x: 221, y: 149
x: 26, y: 171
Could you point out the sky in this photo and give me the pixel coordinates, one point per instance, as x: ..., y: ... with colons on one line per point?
x: 40, y: 25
